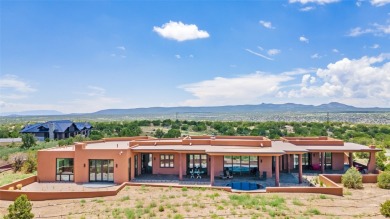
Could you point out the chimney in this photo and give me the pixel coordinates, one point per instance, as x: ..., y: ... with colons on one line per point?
x: 51, y: 130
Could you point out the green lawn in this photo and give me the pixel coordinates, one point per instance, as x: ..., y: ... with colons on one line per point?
x: 9, y: 177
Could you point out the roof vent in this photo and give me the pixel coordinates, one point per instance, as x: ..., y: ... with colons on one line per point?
x: 155, y: 143
x: 261, y: 144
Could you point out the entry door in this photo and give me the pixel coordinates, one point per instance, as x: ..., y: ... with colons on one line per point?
x: 101, y: 170
x: 146, y: 164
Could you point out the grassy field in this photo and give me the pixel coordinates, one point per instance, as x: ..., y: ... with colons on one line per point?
x: 166, y: 202
x: 9, y: 177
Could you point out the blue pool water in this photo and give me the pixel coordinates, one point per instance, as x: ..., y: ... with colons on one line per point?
x: 245, y: 186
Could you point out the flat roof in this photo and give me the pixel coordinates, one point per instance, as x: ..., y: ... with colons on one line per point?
x: 278, y: 147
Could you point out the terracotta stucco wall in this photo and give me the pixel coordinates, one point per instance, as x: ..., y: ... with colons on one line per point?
x: 315, y: 158
x: 46, y: 170
x: 266, y: 165
x: 218, y: 165
x: 82, y: 157
x: 337, y: 161
x: 163, y: 170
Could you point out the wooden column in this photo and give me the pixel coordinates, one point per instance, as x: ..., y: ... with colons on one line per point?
x: 132, y: 167
x: 300, y: 168
x: 212, y: 170
x: 277, y: 171
x: 288, y: 163
x: 180, y: 167
x: 322, y: 162
x: 350, y: 158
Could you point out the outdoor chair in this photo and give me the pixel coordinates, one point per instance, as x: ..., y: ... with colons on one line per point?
x: 192, y: 173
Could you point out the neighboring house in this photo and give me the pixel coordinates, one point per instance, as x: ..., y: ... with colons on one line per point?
x: 59, y: 129
x: 124, y: 159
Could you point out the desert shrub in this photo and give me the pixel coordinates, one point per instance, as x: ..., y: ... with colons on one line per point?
x: 19, y: 186
x: 161, y: 208
x: 28, y: 141
x: 17, y: 160
x: 384, y: 180
x: 385, y: 208
x: 20, y: 209
x: 352, y: 179
x: 30, y: 165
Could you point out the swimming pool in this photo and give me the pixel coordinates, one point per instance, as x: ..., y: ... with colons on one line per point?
x: 245, y: 186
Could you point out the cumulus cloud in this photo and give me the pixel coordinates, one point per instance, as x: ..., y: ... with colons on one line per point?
x: 180, y: 32
x: 307, y: 8
x: 378, y: 3
x: 364, y: 79
x: 12, y: 82
x: 335, y: 50
x: 375, y: 46
x: 178, y: 56
x: 375, y: 29
x: 320, y: 2
x: 303, y: 39
x: 121, y: 48
x: 273, y: 52
x: 266, y: 24
x: 316, y: 56
x: 238, y: 90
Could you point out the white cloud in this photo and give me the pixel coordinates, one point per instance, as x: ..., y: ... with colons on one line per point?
x: 320, y: 2
x: 258, y: 54
x: 307, y: 8
x: 335, y: 50
x: 12, y: 82
x: 375, y: 46
x: 180, y: 32
x: 348, y: 80
x: 375, y: 29
x: 191, y: 56
x: 266, y: 24
x: 121, y: 48
x: 378, y: 3
x: 303, y: 39
x: 316, y: 56
x: 178, y: 56
x: 243, y: 89
x: 261, y: 48
x: 359, y: 3
x: 273, y: 52
x: 95, y: 91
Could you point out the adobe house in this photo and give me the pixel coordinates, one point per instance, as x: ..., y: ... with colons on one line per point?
x: 59, y: 129
x: 120, y: 160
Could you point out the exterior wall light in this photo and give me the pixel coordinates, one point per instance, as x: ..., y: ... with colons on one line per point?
x: 116, y: 165
x: 84, y: 165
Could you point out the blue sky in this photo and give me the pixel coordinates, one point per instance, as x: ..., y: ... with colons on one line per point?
x: 83, y: 56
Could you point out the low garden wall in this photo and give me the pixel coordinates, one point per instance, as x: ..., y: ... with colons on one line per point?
x: 330, y: 182
x: 367, y: 178
x: 330, y: 187
x: 11, y: 195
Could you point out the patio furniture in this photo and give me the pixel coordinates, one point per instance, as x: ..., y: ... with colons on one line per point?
x: 192, y: 173
x: 316, y: 167
x: 198, y: 172
x: 264, y: 176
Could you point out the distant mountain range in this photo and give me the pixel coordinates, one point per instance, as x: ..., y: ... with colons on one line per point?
x: 264, y: 107
x: 33, y: 113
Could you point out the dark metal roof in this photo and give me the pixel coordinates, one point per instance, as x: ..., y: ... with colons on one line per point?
x: 59, y: 126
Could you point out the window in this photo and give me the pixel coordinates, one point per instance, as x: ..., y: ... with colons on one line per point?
x: 101, y: 170
x: 241, y: 164
x: 197, y: 161
x: 64, y: 169
x: 166, y: 161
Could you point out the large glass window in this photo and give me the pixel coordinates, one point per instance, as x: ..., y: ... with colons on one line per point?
x: 197, y: 161
x: 101, y: 170
x: 64, y: 169
x: 241, y: 165
x: 166, y: 161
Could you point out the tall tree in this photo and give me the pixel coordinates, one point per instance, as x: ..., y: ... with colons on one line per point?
x: 28, y: 141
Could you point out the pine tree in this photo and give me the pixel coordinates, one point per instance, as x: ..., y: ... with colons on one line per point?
x: 20, y: 209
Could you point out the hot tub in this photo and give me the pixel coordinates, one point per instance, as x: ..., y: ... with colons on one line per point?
x: 245, y: 186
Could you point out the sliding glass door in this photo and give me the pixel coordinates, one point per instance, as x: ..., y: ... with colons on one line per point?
x: 101, y: 170
x: 197, y: 161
